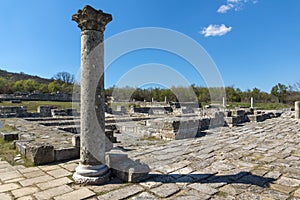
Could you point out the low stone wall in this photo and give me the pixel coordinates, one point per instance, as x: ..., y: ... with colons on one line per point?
x: 151, y: 110
x: 41, y: 97
x: 174, y: 128
x: 13, y: 111
x: 188, y: 127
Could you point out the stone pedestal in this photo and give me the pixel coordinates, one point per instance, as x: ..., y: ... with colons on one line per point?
x: 297, y: 110
x: 92, y: 168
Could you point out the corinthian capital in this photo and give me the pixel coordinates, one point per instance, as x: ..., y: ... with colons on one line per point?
x: 90, y: 19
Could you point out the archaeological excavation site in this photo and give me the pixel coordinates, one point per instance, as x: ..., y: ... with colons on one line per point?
x: 102, y: 147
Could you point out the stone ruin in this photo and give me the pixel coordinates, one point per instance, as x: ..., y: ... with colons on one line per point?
x: 161, y: 121
x: 53, y: 135
x: 42, y: 111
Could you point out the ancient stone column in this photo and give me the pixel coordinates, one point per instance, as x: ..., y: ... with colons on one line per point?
x: 297, y: 110
x: 252, y: 103
x: 92, y: 168
x: 224, y: 102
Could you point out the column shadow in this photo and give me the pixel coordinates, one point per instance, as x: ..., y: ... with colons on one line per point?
x: 240, y: 178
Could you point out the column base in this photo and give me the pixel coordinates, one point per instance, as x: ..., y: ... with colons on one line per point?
x: 91, y: 175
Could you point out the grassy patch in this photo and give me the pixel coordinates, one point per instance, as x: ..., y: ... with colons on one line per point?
x: 8, y: 153
x: 259, y: 106
x: 33, y: 105
x: 151, y: 138
x: 7, y: 128
x: 222, y: 194
x: 7, y: 150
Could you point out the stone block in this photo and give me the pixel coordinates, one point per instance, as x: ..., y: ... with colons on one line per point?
x: 40, y: 153
x: 16, y: 101
x: 204, y: 123
x: 228, y: 113
x: 238, y: 112
x: 9, y: 136
x: 76, y: 140
x: 66, y: 153
x: 81, y: 193
x: 20, y: 146
x: 232, y: 121
x: 45, y: 111
x: 257, y: 112
x: 256, y: 118
x: 126, y: 169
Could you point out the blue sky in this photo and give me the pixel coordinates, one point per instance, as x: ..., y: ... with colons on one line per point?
x: 254, y: 43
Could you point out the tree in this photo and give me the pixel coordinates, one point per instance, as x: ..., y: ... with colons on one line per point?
x: 280, y: 91
x: 232, y: 94
x: 19, y: 86
x: 43, y: 88
x: 64, y: 77
x: 54, y: 87
x: 30, y: 85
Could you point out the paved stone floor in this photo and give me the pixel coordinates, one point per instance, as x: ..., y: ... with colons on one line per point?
x: 253, y: 161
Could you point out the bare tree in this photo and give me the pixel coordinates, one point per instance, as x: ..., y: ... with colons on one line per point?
x: 64, y: 77
x: 296, y: 87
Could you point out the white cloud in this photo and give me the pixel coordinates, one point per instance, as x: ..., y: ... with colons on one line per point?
x: 233, y: 1
x: 234, y: 4
x: 215, y: 30
x: 225, y: 8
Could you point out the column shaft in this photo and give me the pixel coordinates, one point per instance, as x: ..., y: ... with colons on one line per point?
x: 92, y: 98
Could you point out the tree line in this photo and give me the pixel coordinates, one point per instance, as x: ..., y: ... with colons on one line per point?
x: 62, y: 82
x: 279, y: 93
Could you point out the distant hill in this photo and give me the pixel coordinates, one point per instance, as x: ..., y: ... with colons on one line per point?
x: 22, y: 76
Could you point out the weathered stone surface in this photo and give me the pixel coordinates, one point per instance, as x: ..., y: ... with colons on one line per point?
x: 239, y: 164
x: 9, y: 136
x: 165, y: 190
x: 40, y: 153
x: 297, y: 193
x: 5, y: 196
x: 91, y: 19
x: 32, y: 181
x: 76, y: 140
x: 34, y: 174
x: 79, y: 194
x: 44, y: 111
x: 282, y: 188
x: 94, y: 142
x: 126, y: 169
x: 12, y: 174
x: 297, y: 110
x: 122, y: 193
x: 288, y: 182
x: 24, y: 191
x: 58, y: 173
x: 54, y: 183
x: 204, y: 188
x: 143, y: 196
x: 8, y: 187
x: 50, y: 193
x: 66, y: 153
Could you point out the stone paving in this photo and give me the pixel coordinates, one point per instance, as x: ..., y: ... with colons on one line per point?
x: 252, y: 161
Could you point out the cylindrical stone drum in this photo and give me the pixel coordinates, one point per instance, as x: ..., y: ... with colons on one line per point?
x: 297, y: 110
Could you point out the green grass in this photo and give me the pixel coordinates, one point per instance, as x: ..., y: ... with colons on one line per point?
x: 7, y: 128
x: 7, y: 150
x: 8, y: 153
x: 151, y: 138
x: 259, y: 106
x: 32, y: 105
x: 222, y: 194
